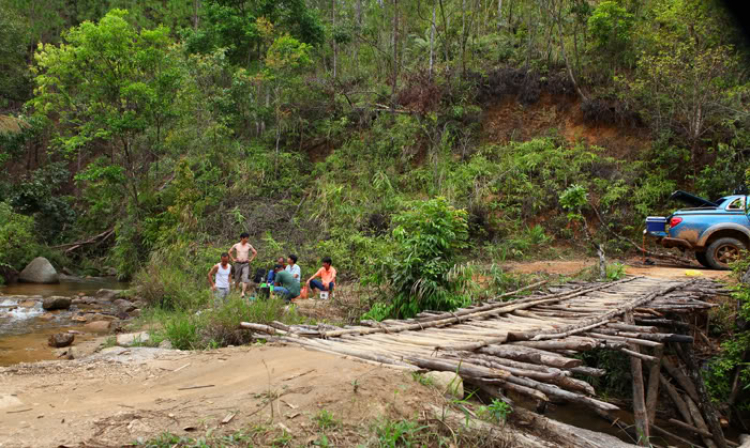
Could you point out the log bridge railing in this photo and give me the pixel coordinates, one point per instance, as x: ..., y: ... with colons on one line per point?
x: 527, y: 345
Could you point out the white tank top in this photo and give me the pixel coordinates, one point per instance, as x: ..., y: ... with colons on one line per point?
x: 222, y: 276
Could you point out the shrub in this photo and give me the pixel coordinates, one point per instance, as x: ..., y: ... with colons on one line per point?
x: 422, y: 272
x: 222, y: 325
x: 18, y: 243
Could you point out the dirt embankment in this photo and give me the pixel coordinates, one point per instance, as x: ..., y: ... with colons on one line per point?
x: 125, y: 395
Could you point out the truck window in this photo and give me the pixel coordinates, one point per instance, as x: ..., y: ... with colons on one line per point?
x: 737, y: 204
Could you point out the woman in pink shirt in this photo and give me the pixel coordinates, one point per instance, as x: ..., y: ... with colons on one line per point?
x: 327, y: 276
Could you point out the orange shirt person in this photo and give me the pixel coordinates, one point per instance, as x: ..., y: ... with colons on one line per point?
x: 327, y: 275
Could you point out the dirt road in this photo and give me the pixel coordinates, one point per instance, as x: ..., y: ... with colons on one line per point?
x: 123, y: 395
x: 573, y: 267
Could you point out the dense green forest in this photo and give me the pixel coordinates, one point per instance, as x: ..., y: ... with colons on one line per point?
x: 382, y: 133
x: 401, y: 138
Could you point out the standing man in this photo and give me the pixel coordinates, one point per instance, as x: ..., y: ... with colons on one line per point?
x: 242, y: 260
x: 293, y: 268
x: 286, y: 285
x: 327, y: 276
x: 220, y: 284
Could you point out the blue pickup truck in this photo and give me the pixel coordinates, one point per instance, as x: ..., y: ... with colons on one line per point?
x: 716, y: 231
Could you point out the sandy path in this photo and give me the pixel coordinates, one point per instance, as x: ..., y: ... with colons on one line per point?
x: 632, y: 267
x: 110, y: 400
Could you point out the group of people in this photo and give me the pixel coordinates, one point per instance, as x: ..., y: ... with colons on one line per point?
x: 285, y: 277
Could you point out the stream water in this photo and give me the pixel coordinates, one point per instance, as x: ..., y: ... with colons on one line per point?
x: 25, y: 326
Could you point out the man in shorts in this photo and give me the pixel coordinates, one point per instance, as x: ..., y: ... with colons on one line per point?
x: 218, y: 278
x: 242, y: 260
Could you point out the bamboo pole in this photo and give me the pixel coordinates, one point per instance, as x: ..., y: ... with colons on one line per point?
x: 652, y: 395
x: 639, y: 403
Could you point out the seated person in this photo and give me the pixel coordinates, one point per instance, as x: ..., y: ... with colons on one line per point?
x: 293, y: 268
x: 327, y: 276
x: 286, y: 285
x: 271, y: 273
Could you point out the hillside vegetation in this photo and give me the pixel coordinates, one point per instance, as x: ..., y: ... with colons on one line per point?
x: 401, y: 138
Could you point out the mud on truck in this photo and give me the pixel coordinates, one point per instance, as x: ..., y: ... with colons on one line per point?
x: 716, y: 231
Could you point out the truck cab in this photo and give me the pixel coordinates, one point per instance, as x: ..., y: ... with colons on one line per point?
x: 716, y: 231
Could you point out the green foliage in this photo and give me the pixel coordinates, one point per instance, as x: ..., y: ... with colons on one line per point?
x: 326, y: 420
x: 615, y: 271
x: 616, y: 382
x: 421, y: 379
x: 611, y: 27
x: 14, y: 76
x: 423, y: 271
x: 734, y: 358
x: 399, y: 433
x: 496, y: 412
x: 18, y: 243
x: 574, y: 199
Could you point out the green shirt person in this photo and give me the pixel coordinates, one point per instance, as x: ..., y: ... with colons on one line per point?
x: 286, y: 284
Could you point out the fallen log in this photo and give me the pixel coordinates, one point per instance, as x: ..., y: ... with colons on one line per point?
x: 548, y: 377
x: 551, y: 391
x: 698, y: 431
x: 676, y: 399
x: 680, y: 377
x: 528, y: 354
x: 497, y: 435
x: 700, y: 423
x: 642, y: 342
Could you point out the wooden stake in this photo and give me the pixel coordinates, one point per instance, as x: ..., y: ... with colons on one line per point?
x: 639, y: 402
x: 653, y: 385
x: 709, y: 412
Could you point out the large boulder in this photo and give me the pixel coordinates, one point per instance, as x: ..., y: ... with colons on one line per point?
x: 56, y: 303
x: 40, y: 270
x: 61, y: 340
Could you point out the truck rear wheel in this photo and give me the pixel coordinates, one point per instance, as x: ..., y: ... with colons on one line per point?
x: 724, y: 251
x: 701, y: 257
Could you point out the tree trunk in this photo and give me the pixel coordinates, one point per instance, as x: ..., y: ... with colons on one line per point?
x: 499, y: 14
x: 358, y: 6
x: 394, y: 75
x: 196, y: 19
x: 333, y: 40
x: 432, y: 39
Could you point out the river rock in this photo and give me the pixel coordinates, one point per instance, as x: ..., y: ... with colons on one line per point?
x: 40, y: 270
x: 99, y: 326
x: 61, y: 340
x: 47, y: 316
x: 109, y: 295
x: 84, y: 300
x: 127, y: 339
x: 124, y: 305
x: 27, y: 304
x: 166, y: 344
x: 79, y: 319
x: 56, y: 303
x: 447, y: 382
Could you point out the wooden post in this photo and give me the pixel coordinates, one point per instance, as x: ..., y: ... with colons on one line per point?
x: 653, y: 385
x: 639, y: 401
x: 709, y: 412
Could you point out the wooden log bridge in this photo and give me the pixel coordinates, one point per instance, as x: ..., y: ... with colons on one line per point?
x: 529, y: 345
